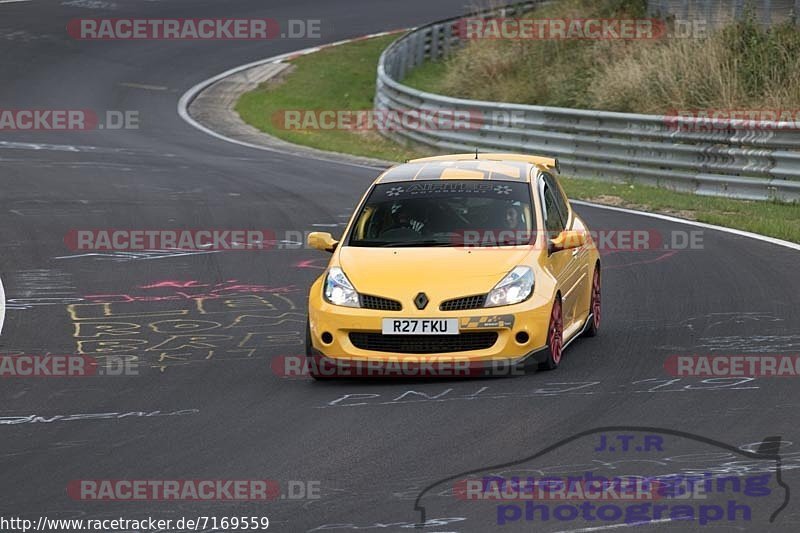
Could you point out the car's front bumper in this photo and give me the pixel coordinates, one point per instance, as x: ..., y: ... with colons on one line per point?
x: 334, y: 324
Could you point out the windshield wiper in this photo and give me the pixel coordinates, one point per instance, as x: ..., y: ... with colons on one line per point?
x: 421, y: 243
x: 402, y: 244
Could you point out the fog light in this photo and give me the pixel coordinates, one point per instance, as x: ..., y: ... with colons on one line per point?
x: 327, y: 338
x: 522, y: 337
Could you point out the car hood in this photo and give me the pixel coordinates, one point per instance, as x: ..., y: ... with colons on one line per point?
x: 441, y: 273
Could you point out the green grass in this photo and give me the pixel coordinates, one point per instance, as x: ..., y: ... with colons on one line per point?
x: 428, y: 77
x: 774, y: 219
x: 343, y: 77
x: 338, y: 78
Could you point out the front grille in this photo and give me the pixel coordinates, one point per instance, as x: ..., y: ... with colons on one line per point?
x: 460, y: 304
x: 464, y: 342
x: 379, y: 304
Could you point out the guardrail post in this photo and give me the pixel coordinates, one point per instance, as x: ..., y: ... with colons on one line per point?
x: 419, y: 48
x: 448, y: 36
x: 738, y: 9
x: 401, y: 61
x: 434, y: 51
x: 707, y: 10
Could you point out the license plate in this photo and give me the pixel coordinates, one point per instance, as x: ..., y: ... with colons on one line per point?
x: 420, y: 326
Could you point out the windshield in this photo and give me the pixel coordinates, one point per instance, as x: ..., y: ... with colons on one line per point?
x: 445, y: 213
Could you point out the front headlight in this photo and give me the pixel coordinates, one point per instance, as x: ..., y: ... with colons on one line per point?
x: 339, y: 290
x: 512, y: 289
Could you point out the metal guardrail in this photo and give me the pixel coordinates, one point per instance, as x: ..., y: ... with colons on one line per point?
x: 716, y: 13
x: 739, y: 160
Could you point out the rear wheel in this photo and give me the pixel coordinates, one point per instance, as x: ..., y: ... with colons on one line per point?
x: 555, y: 338
x: 594, y: 305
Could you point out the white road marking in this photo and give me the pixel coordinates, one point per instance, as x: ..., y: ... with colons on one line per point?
x: 90, y: 4
x: 38, y: 146
x: 2, y: 306
x: 615, y: 526
x: 144, y: 86
x: 39, y: 419
x: 12, y: 1
x: 17, y: 145
x: 741, y: 233
x: 146, y: 255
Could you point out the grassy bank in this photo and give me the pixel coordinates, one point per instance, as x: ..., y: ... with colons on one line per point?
x: 338, y: 78
x: 343, y: 77
x: 774, y: 219
x: 742, y: 66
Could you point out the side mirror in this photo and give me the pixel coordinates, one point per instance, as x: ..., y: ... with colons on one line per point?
x: 567, y: 240
x: 322, y: 241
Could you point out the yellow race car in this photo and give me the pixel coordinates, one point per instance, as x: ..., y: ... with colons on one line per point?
x: 455, y: 263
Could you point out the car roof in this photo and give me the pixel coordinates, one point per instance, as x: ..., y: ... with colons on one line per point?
x: 504, y: 167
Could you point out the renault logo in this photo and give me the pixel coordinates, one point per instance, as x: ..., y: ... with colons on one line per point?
x: 421, y: 300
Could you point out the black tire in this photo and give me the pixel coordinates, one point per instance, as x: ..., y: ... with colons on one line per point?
x: 312, y: 362
x: 595, y: 304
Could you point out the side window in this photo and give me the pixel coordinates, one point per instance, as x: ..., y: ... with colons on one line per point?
x: 552, y: 217
x: 561, y: 204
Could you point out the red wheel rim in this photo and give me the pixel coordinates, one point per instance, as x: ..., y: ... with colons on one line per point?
x: 556, y: 329
x: 596, y: 299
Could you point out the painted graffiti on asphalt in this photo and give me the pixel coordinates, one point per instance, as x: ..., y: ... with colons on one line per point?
x: 171, y: 323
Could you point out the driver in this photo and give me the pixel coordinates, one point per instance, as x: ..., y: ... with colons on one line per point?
x: 512, y: 218
x: 402, y: 219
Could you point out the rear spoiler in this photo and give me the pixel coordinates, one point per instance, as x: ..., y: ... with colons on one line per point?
x: 545, y: 163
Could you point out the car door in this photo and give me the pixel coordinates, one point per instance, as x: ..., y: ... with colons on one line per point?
x: 563, y: 264
x: 581, y: 280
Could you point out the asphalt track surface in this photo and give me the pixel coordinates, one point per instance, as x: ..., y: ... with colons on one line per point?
x: 221, y: 412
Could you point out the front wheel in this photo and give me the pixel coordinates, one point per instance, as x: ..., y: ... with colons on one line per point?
x: 312, y: 362
x: 555, y: 338
x: 594, y: 305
